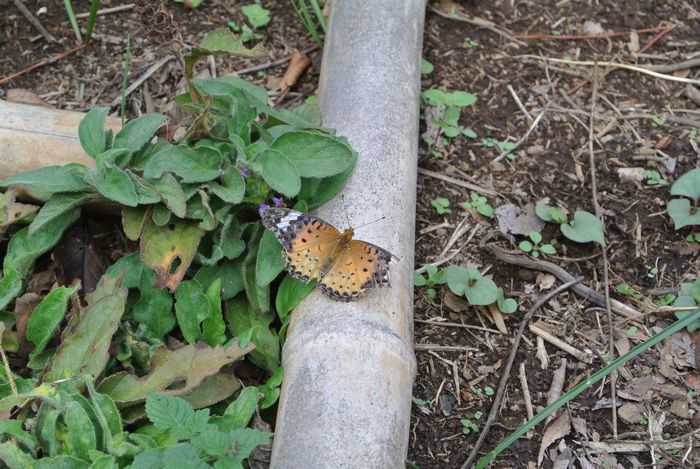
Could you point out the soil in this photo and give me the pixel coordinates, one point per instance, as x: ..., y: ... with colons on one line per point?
x: 658, y: 389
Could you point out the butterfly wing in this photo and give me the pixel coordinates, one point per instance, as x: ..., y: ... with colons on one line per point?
x: 308, y: 242
x: 360, y: 266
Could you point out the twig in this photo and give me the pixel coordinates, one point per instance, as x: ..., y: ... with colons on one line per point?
x: 670, y: 68
x: 634, y: 68
x: 32, y: 19
x: 526, y: 392
x: 107, y: 11
x: 577, y: 37
x: 456, y: 324
x: 443, y: 348
x: 482, y: 23
x: 656, y: 39
x: 519, y: 103
x: 151, y: 70
x: 523, y: 138
x: 41, y: 63
x: 276, y: 63
x: 606, y: 276
x: 560, y: 344
x: 509, y: 364
x: 457, y: 182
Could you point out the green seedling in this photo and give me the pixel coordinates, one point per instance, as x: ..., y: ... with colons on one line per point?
x: 626, y: 290
x: 653, y: 178
x: 480, y: 204
x: 434, y: 277
x: 684, y: 211
x: 667, y: 299
x: 584, y: 228
x: 689, y: 297
x: 502, y: 146
x: 246, y: 34
x: 505, y: 305
x: 693, y: 237
x: 453, y: 103
x: 652, y: 271
x: 533, y: 247
x: 469, y: 42
x: 442, y: 205
x: 553, y: 214
x: 426, y: 68
x: 256, y: 15
x: 657, y: 121
x: 631, y: 331
x: 468, y: 426
x: 478, y: 290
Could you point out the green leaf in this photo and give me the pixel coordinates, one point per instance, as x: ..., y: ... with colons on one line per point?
x: 256, y: 14
x: 426, y: 68
x: 188, y: 365
x: 81, y: 437
x: 191, y: 308
x: 154, y: 309
x: 13, y: 457
x: 506, y: 305
x: 106, y: 412
x: 680, y: 212
x: 270, y: 261
x: 113, y: 183
x: 548, y: 249
x: 172, y: 194
x: 183, y: 456
x: 57, y: 206
x: 462, y: 98
x: 222, y: 41
x: 120, y: 157
x: 46, y: 317
x: 138, y: 132
x: 14, y: 429
x: 200, y: 164
x: 290, y: 293
x: 91, y: 131
x: 419, y: 280
x: 132, y: 221
x: 146, y: 192
x: 213, y: 326
x: 246, y: 440
x: 50, y: 180
x: 242, y: 409
x: 585, y: 227
x: 230, y: 273
x: 241, y: 318
x: 688, y: 185
x: 547, y: 213
x: 317, y: 192
x: 175, y: 414
x: 478, y: 289
x: 433, y: 97
x: 313, y: 154
x: 525, y: 246
x: 535, y: 236
x: 85, y: 347
x: 280, y: 173
x: 232, y: 188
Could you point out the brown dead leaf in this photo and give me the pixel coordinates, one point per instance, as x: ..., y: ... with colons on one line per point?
x: 545, y: 281
x: 24, y: 96
x: 24, y: 305
x: 631, y: 412
x: 12, y: 211
x: 679, y: 408
x: 297, y: 65
x: 557, y: 430
x: 78, y: 257
x: 455, y: 303
x: 634, y: 42
x: 518, y: 221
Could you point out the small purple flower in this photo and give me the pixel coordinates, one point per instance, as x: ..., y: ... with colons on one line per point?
x: 262, y: 208
x: 278, y: 201
x: 244, y: 172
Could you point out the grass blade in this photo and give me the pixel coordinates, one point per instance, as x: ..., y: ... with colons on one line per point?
x: 92, y: 18
x: 73, y: 20
x: 595, y: 377
x: 125, y: 77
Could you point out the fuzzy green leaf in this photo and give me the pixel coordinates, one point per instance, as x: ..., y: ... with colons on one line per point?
x: 91, y: 131
x: 113, y: 183
x: 680, y: 212
x: 313, y: 154
x: 584, y: 228
x: 47, y: 315
x: 139, y: 132
x: 290, y: 294
x: 688, y: 185
x: 279, y: 172
x: 200, y: 164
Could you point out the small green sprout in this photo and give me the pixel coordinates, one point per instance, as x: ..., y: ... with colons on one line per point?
x: 490, y: 142
x: 468, y: 426
x: 441, y: 205
x: 626, y: 290
x: 653, y: 178
x: 657, y: 121
x: 554, y: 214
x: 435, y: 277
x: 667, y: 299
x: 693, y: 237
x: 480, y: 204
x: 453, y: 103
x: 488, y: 390
x: 469, y: 42
x: 631, y: 331
x: 652, y: 271
x: 533, y: 246
x: 426, y: 68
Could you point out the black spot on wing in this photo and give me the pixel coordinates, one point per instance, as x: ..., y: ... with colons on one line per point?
x: 285, y: 224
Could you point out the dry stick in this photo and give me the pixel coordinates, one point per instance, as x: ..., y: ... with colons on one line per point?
x: 656, y: 39
x: 151, y: 70
x: 457, y: 182
x: 41, y: 63
x: 520, y: 104
x: 32, y: 19
x: 577, y: 37
x: 523, y: 138
x: 526, y: 392
x: 443, y: 348
x: 480, y: 23
x: 107, y: 11
x: 276, y: 63
x: 606, y: 279
x: 670, y: 68
x: 506, y: 370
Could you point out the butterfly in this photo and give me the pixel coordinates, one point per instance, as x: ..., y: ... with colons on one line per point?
x: 316, y: 250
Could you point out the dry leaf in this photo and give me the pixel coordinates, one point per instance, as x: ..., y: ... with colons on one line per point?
x: 631, y: 174
x: 455, y: 303
x: 634, y: 42
x: 558, y: 429
x: 24, y: 305
x: 593, y: 28
x: 518, y: 221
x: 298, y: 63
x: 679, y: 408
x: 631, y: 412
x: 545, y: 281
x: 24, y: 96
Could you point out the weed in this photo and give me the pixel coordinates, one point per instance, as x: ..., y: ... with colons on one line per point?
x: 502, y: 146
x: 657, y: 121
x: 452, y: 103
x: 441, y: 205
x: 684, y: 211
x: 256, y: 15
x: 533, y: 246
x: 653, y: 178
x: 426, y: 68
x: 480, y: 204
x: 469, y: 42
x: 652, y: 271
x: 478, y: 290
x: 434, y: 277
x: 468, y: 426
x: 626, y: 290
x: 302, y: 10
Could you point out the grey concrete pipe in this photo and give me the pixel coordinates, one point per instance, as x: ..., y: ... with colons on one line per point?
x: 349, y: 367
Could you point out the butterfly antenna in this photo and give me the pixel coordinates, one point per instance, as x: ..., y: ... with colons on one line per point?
x: 373, y: 221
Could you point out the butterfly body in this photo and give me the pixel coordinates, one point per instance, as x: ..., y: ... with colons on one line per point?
x: 315, y: 250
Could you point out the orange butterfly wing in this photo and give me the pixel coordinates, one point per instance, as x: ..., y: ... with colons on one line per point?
x: 359, y: 266
x: 307, y: 242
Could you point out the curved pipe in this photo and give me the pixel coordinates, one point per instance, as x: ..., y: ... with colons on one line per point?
x: 349, y: 367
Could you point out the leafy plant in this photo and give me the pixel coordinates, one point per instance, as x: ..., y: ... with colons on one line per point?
x: 680, y: 210
x: 657, y: 121
x: 502, y: 146
x: 256, y: 15
x: 206, y: 278
x: 468, y: 426
x: 441, y: 205
x: 533, y: 246
x: 449, y: 105
x: 478, y: 290
x: 652, y: 271
x: 480, y: 204
x: 307, y: 19
x: 553, y: 214
x: 584, y: 228
x: 434, y: 277
x: 689, y: 296
x: 653, y: 178
x: 469, y: 42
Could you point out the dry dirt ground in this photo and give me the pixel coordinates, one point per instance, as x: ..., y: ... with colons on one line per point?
x: 640, y: 121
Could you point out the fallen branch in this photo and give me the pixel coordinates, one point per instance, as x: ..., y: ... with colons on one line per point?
x: 482, y: 23
x: 41, y: 63
x: 581, y: 37
x: 32, y: 19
